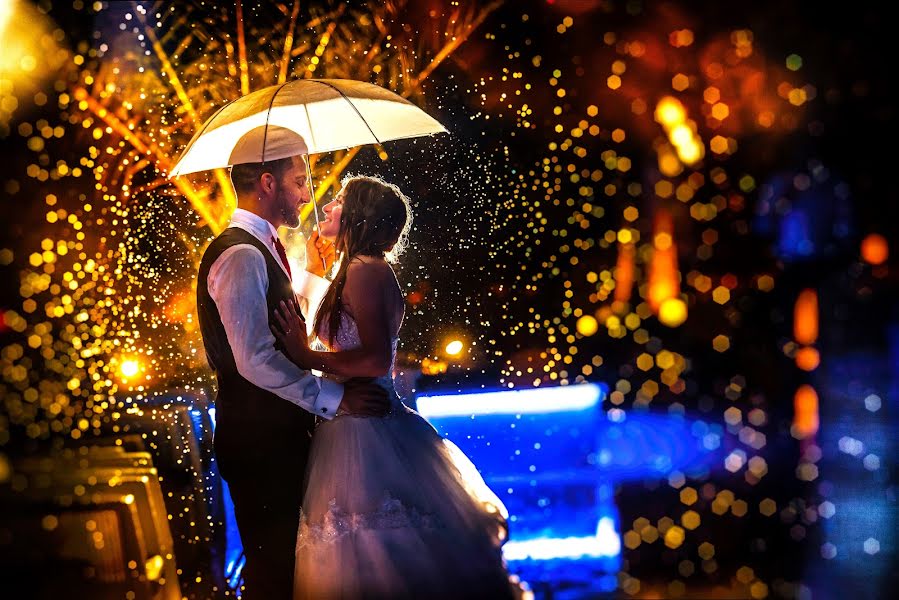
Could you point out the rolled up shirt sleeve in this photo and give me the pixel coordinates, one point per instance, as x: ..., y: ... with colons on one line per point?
x: 238, y: 284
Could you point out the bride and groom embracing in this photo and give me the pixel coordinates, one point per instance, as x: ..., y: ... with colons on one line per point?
x: 339, y: 490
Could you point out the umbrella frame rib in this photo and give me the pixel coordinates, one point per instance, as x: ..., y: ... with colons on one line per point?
x: 333, y: 88
x: 268, y: 113
x: 345, y: 97
x: 271, y: 103
x: 314, y: 205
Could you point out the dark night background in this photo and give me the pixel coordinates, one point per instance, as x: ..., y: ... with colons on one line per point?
x: 483, y: 268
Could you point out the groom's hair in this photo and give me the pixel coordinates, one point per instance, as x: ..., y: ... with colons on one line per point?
x: 244, y: 177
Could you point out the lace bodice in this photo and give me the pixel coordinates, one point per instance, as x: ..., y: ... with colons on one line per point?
x: 347, y: 338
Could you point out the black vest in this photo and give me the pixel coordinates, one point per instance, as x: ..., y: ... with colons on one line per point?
x: 255, y: 429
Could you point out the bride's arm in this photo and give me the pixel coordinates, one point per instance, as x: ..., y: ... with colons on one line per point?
x: 365, y: 295
x: 310, y: 284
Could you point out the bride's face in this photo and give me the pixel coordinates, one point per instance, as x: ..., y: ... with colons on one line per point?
x: 330, y: 227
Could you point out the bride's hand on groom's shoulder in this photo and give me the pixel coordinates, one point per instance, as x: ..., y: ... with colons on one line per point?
x: 289, y: 328
x: 320, y: 254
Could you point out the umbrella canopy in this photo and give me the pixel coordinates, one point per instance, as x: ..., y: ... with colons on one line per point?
x: 304, y: 116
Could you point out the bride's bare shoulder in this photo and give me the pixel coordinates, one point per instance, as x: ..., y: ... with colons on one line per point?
x: 370, y: 265
x: 370, y: 278
x: 367, y: 271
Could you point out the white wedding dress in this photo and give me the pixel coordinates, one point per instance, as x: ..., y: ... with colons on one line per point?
x: 392, y: 510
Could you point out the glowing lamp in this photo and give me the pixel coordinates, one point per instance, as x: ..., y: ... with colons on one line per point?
x: 669, y: 164
x: 663, y: 284
x: 805, y: 317
x: 433, y: 367
x: 669, y: 112
x: 454, y: 348
x: 153, y: 567
x: 673, y: 312
x: 129, y: 368
x: 690, y: 152
x: 681, y: 135
x: 805, y: 412
x: 5, y: 13
x: 663, y: 277
x: 875, y: 249
x: 808, y: 358
x: 587, y: 325
x: 662, y: 241
x: 624, y: 273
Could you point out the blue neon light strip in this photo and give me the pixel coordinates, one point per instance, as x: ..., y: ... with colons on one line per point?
x: 606, y: 543
x: 512, y: 402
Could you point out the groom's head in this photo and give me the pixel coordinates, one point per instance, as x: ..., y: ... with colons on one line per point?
x: 275, y: 190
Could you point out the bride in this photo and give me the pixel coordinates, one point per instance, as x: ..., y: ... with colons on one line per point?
x: 387, y: 512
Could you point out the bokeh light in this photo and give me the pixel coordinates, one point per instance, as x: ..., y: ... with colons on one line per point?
x: 129, y: 368
x: 639, y: 196
x: 673, y: 312
x: 875, y: 249
x: 454, y: 348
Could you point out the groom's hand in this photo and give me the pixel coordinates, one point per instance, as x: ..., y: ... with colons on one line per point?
x: 290, y: 329
x: 361, y: 396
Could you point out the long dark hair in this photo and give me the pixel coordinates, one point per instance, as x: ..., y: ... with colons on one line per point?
x: 375, y: 221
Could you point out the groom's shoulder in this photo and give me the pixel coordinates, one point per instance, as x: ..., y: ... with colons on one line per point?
x: 228, y: 238
x: 232, y: 235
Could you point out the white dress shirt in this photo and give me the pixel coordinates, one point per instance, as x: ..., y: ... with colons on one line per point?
x: 311, y: 290
x: 238, y: 284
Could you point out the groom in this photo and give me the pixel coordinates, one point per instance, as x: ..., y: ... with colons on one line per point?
x: 266, y: 405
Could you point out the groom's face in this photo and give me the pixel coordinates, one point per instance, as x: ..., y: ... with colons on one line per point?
x: 292, y: 192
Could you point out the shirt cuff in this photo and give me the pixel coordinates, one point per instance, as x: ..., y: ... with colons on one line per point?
x: 311, y: 286
x: 328, y: 400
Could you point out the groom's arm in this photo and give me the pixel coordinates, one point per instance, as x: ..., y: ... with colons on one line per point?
x: 238, y: 284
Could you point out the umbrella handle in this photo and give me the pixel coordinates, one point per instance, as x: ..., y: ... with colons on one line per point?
x: 318, y: 225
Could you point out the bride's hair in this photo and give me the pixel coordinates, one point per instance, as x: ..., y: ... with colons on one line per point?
x: 375, y: 221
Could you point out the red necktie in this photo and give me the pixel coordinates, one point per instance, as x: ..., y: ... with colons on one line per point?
x: 283, y: 254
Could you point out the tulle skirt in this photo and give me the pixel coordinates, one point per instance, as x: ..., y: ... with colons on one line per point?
x: 394, y: 511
